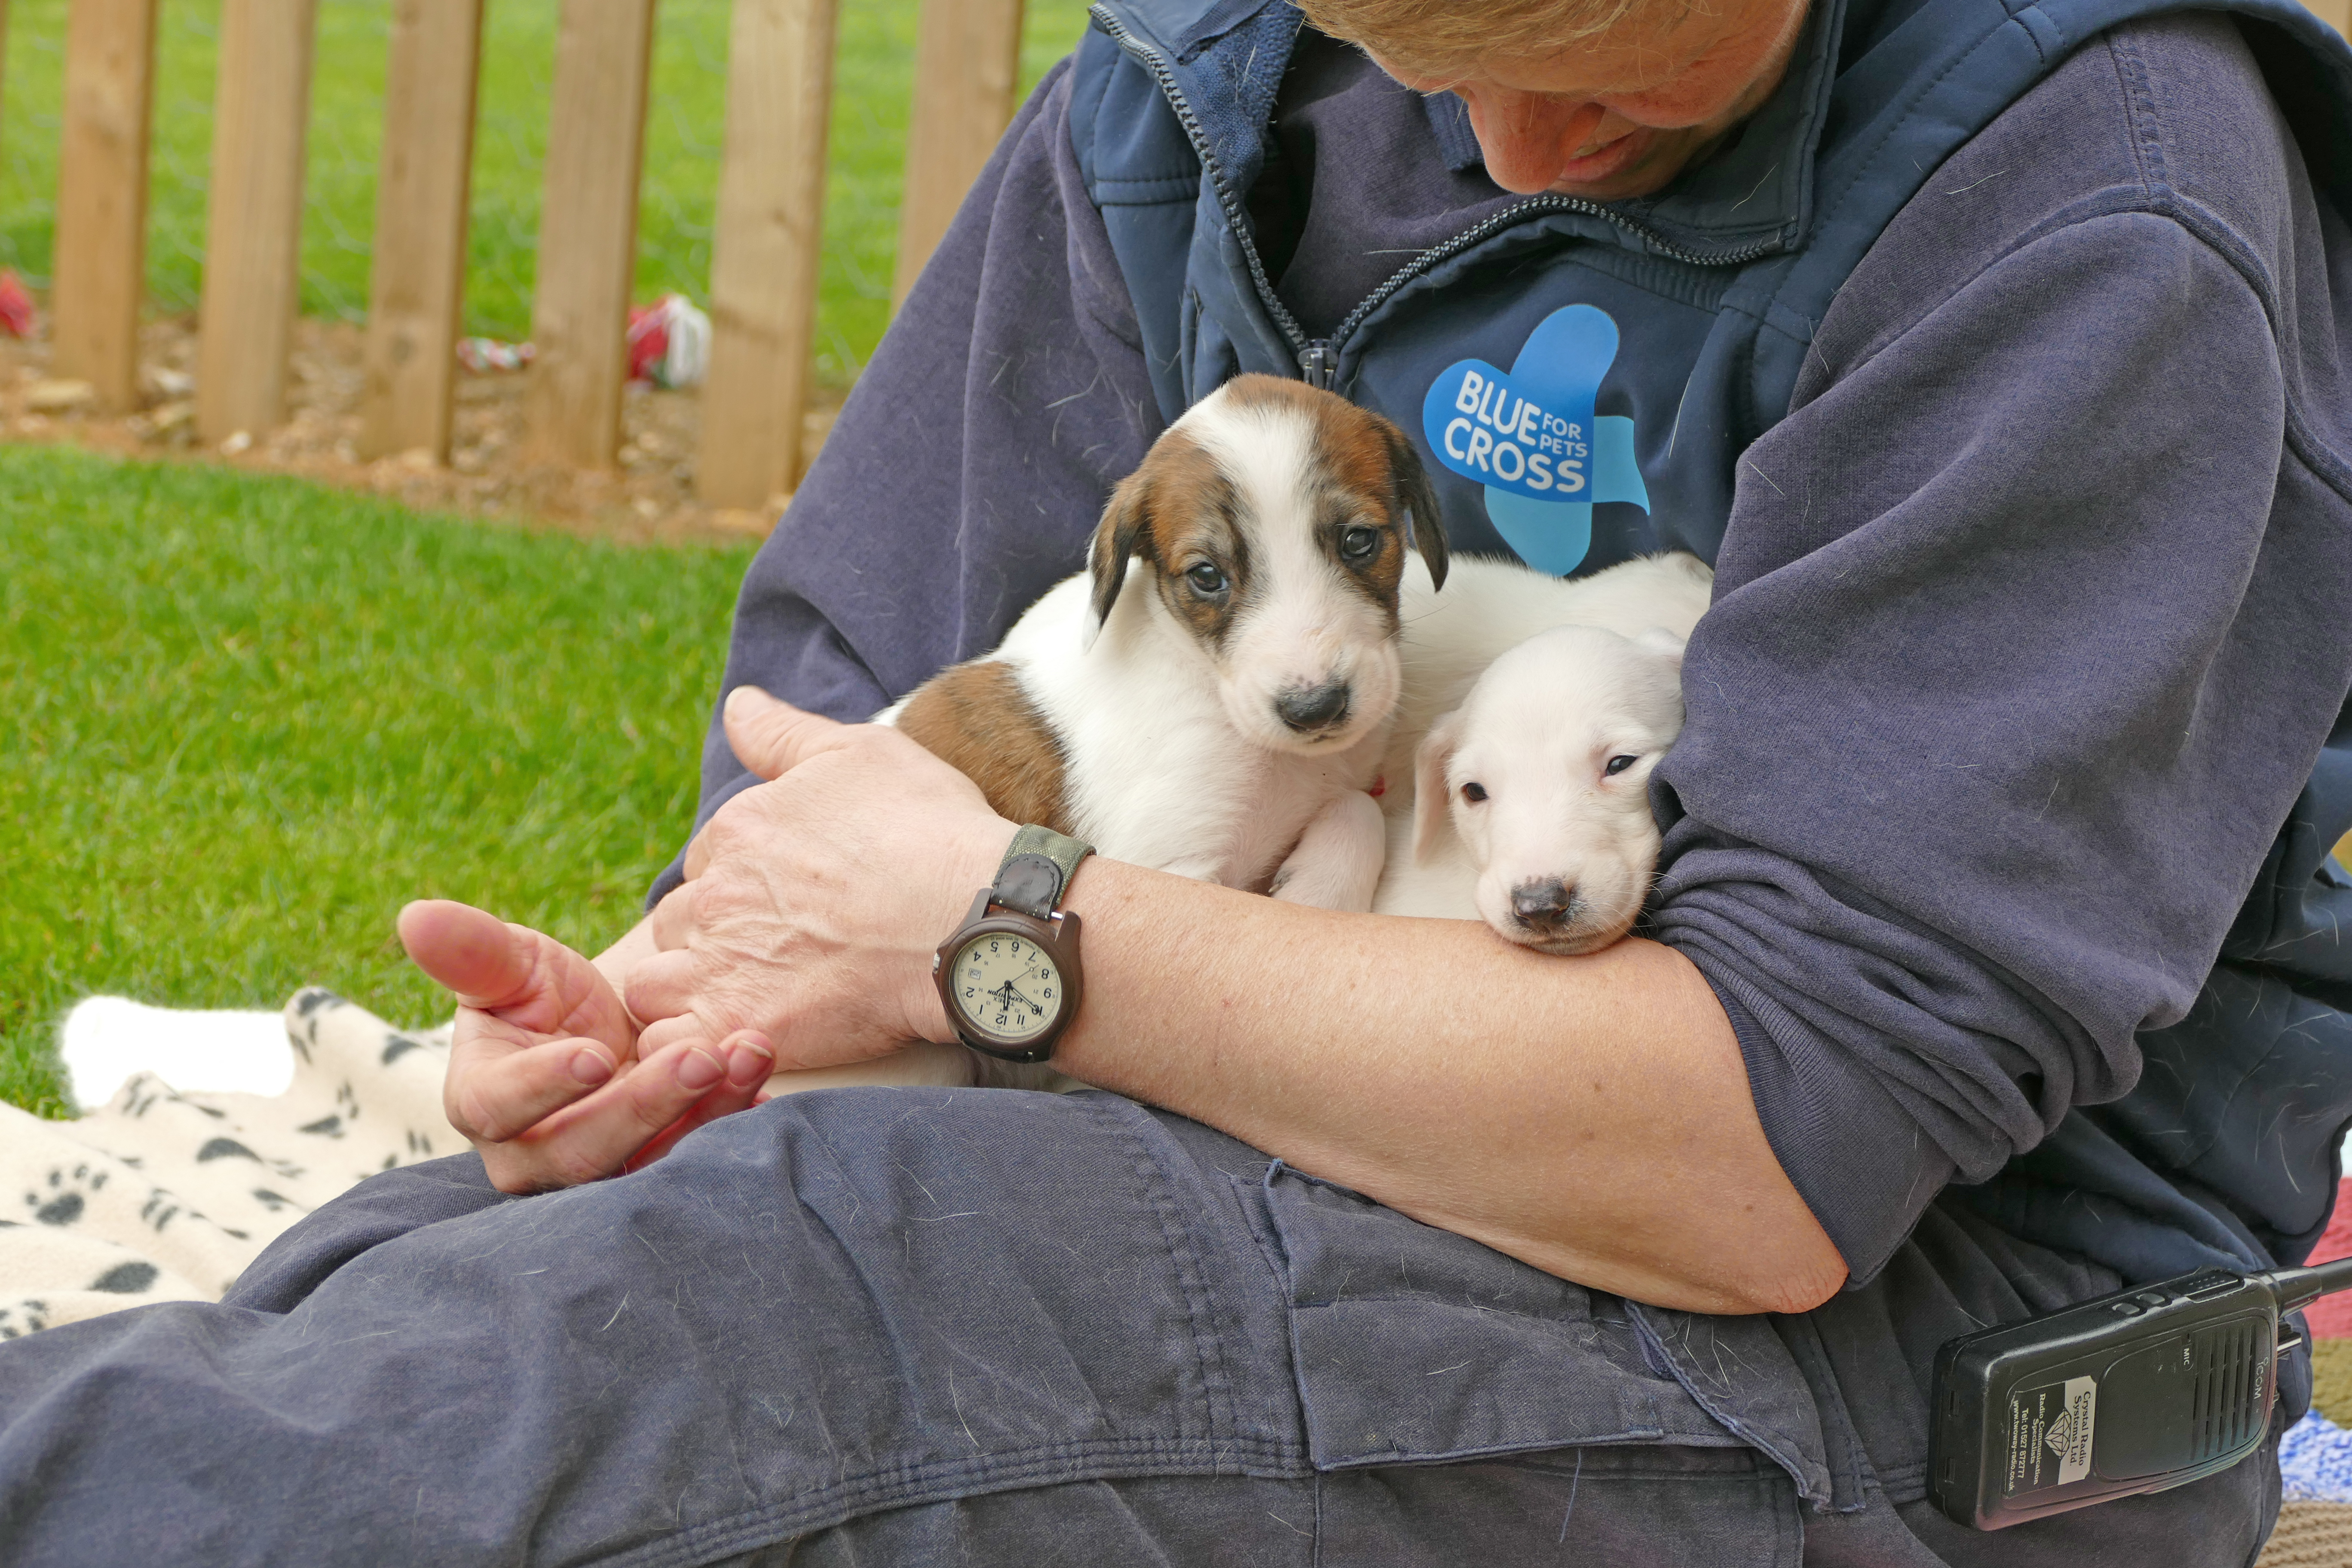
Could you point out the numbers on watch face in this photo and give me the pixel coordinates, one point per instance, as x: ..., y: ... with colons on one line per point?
x: 1007, y: 986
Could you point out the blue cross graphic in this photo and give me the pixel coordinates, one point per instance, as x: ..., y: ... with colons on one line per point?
x: 1530, y: 436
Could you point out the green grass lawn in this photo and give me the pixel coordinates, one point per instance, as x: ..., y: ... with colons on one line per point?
x: 243, y: 720
x: 686, y: 114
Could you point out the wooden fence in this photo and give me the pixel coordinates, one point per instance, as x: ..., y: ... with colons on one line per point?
x: 764, y: 253
x: 770, y: 213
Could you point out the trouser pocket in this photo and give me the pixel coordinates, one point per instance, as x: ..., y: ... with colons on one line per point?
x: 1415, y: 1346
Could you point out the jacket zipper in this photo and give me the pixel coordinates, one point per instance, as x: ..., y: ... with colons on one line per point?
x: 1318, y: 358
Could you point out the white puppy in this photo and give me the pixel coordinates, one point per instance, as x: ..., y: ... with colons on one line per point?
x: 1491, y: 686
x: 1491, y: 606
x: 1531, y: 805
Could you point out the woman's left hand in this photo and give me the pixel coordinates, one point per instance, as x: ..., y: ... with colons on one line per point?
x: 814, y: 902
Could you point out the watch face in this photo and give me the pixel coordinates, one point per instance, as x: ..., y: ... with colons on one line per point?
x: 1006, y: 985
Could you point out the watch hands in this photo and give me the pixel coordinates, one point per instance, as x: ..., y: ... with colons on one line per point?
x: 1009, y: 993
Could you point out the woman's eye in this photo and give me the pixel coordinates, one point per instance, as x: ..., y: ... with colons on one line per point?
x: 1360, y: 543
x: 1619, y: 764
x: 1474, y: 793
x: 1206, y: 580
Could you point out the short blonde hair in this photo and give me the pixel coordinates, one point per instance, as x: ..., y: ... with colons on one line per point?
x: 1444, y: 37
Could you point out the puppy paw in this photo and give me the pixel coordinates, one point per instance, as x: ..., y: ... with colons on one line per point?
x: 1336, y: 864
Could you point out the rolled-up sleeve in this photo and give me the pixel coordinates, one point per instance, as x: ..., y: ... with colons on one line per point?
x: 2007, y: 689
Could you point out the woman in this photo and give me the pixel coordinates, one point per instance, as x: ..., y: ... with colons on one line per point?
x: 1989, y: 356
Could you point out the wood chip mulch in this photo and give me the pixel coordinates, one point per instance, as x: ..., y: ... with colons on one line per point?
x: 650, y: 497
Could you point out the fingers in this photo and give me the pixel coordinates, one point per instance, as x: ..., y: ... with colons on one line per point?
x: 673, y: 918
x: 662, y: 987
x: 470, y: 951
x: 525, y: 983
x: 732, y: 1096
x: 773, y: 738
x: 620, y: 1125
x: 494, y: 1099
x: 666, y: 1033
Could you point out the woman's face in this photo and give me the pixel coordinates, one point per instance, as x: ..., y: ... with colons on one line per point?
x: 1622, y: 113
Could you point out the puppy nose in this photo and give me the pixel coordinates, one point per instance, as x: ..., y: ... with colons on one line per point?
x: 1311, y: 708
x: 1542, y: 906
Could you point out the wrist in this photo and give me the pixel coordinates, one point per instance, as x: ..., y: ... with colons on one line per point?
x: 979, y: 850
x: 973, y: 856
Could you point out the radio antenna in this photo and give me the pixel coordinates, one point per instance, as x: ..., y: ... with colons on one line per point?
x: 2299, y: 1288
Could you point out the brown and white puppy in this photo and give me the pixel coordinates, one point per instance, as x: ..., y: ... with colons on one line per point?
x: 1211, y: 697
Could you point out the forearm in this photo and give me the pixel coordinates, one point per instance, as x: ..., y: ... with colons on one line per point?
x: 1588, y: 1115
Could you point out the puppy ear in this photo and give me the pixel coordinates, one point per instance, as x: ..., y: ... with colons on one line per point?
x: 1114, y: 542
x: 1663, y: 644
x: 1410, y: 492
x: 1432, y: 796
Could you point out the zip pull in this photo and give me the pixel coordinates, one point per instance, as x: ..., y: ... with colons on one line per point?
x: 1316, y: 366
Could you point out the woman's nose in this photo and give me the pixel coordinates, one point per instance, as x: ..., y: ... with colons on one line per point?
x: 1527, y: 136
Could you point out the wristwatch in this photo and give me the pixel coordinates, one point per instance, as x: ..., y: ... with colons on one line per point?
x: 1009, y: 976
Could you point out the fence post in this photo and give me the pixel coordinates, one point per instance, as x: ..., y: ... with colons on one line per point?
x: 764, y: 252
x: 253, y: 238
x: 967, y: 64
x: 417, y: 282
x: 588, y: 230
x: 100, y: 260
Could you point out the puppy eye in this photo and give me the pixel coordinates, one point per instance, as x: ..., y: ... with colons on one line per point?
x: 1619, y: 764
x: 1474, y: 793
x: 1360, y: 543
x: 1206, y: 580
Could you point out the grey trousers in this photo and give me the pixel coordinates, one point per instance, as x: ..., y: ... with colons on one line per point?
x: 989, y: 1327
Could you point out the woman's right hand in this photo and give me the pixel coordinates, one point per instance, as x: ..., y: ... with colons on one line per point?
x: 544, y: 1075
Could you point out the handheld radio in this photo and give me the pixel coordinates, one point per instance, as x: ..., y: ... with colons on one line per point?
x: 2146, y: 1389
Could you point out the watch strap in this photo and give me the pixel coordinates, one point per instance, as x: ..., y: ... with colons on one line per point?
x: 1036, y: 870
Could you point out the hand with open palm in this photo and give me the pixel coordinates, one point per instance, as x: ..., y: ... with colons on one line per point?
x: 545, y: 1074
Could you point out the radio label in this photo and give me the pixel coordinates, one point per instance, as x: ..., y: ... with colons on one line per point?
x: 2050, y: 1432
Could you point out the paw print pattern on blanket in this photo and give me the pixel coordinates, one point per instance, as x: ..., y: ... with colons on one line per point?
x: 161, y: 1195
x: 85, y: 1232
x: 59, y: 1200
x: 77, y: 1196
x: 134, y: 1279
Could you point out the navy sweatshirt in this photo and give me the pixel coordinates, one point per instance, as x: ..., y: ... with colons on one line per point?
x: 2030, y: 618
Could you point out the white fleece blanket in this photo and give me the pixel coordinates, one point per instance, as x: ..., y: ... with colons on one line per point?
x: 228, y: 1127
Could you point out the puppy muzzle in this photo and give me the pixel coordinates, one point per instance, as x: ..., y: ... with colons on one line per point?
x: 1315, y: 711
x: 1550, y: 915
x: 1544, y: 906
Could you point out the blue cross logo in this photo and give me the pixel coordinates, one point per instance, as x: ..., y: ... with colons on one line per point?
x: 1530, y: 435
